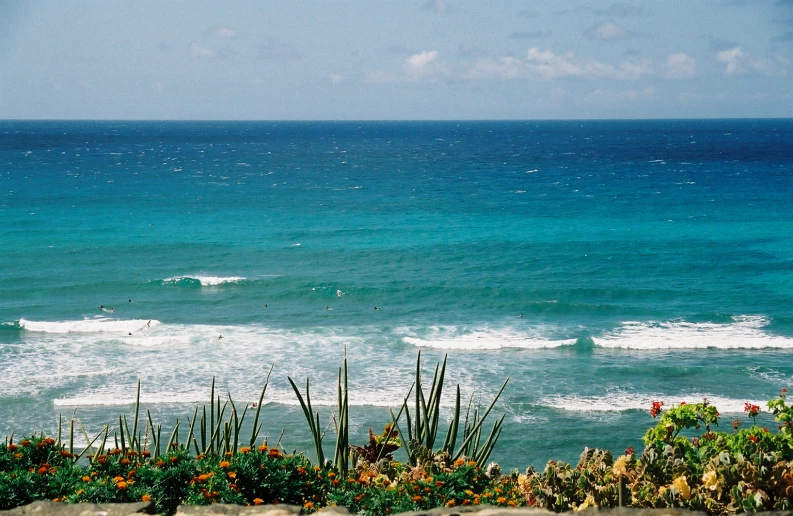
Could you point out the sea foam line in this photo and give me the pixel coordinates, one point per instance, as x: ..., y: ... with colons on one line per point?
x: 746, y: 331
x: 95, y: 325
x: 624, y: 402
x: 484, y: 338
x: 205, y: 281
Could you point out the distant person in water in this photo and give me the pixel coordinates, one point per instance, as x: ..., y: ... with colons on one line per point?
x: 148, y: 324
x: 377, y: 308
x: 220, y: 337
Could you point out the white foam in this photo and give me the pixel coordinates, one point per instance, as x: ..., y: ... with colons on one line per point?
x: 620, y: 402
x: 744, y: 332
x: 485, y: 338
x: 102, y: 399
x: 206, y: 281
x: 96, y: 325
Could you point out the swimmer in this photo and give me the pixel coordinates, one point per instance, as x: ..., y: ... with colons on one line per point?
x: 101, y: 307
x: 377, y: 308
x: 130, y: 333
x: 130, y: 300
x: 148, y: 324
x: 264, y: 305
x: 220, y: 337
x: 327, y: 307
x: 339, y: 293
x: 521, y: 316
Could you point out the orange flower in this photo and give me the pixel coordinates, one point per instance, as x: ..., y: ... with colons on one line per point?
x: 274, y: 454
x: 458, y: 463
x: 66, y: 454
x: 512, y: 503
x: 12, y: 447
x: 145, y: 498
x: 121, y: 485
x: 308, y: 505
x: 335, y: 482
x: 17, y: 455
x: 114, y: 451
x: 450, y: 503
x: 174, y: 459
x: 417, y: 498
x: 245, y: 449
x: 501, y: 499
x: 160, y: 463
x: 472, y: 463
x: 43, y: 470
x: 86, y: 478
x: 262, y: 448
x: 231, y: 474
x: 224, y: 464
x: 258, y: 501
x: 24, y: 442
x: 118, y: 479
x: 359, y: 497
x: 124, y: 462
x: 331, y: 474
x: 145, y: 453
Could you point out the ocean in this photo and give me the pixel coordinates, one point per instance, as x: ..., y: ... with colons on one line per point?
x: 600, y: 265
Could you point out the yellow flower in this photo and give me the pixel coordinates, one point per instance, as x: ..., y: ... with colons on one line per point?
x: 588, y: 502
x: 710, y: 480
x: 681, y: 484
x: 662, y: 491
x: 621, y: 466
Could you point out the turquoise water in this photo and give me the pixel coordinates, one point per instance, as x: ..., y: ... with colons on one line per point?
x: 600, y: 265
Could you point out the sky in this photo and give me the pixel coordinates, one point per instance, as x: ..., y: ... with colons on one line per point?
x: 395, y: 60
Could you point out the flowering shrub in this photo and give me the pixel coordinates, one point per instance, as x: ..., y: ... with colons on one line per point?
x: 745, y: 469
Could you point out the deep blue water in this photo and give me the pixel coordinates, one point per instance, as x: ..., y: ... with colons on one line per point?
x: 599, y: 264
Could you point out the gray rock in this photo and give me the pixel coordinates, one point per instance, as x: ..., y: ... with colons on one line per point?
x: 42, y: 508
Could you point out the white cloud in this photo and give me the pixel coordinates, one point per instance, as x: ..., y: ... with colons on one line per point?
x: 224, y: 32
x: 336, y: 78
x: 546, y: 65
x: 680, y: 66
x: 606, y: 31
x: 199, y: 52
x: 739, y: 62
x: 734, y: 59
x: 423, y: 65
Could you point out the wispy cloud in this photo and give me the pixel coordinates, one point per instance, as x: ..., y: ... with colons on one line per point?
x: 606, y: 31
x: 680, y: 66
x: 223, y: 32
x: 423, y: 66
x: 738, y: 62
x: 198, y: 51
x: 621, y: 10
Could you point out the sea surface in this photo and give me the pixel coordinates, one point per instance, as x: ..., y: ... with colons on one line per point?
x: 600, y: 265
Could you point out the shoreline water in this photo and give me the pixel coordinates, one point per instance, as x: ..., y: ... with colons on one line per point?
x: 650, y: 261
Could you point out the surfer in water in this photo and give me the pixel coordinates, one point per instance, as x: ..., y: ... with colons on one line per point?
x: 148, y: 324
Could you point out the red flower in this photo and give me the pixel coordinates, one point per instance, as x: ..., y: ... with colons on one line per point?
x: 629, y: 450
x: 655, y: 408
x: 753, y: 438
x: 751, y: 410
